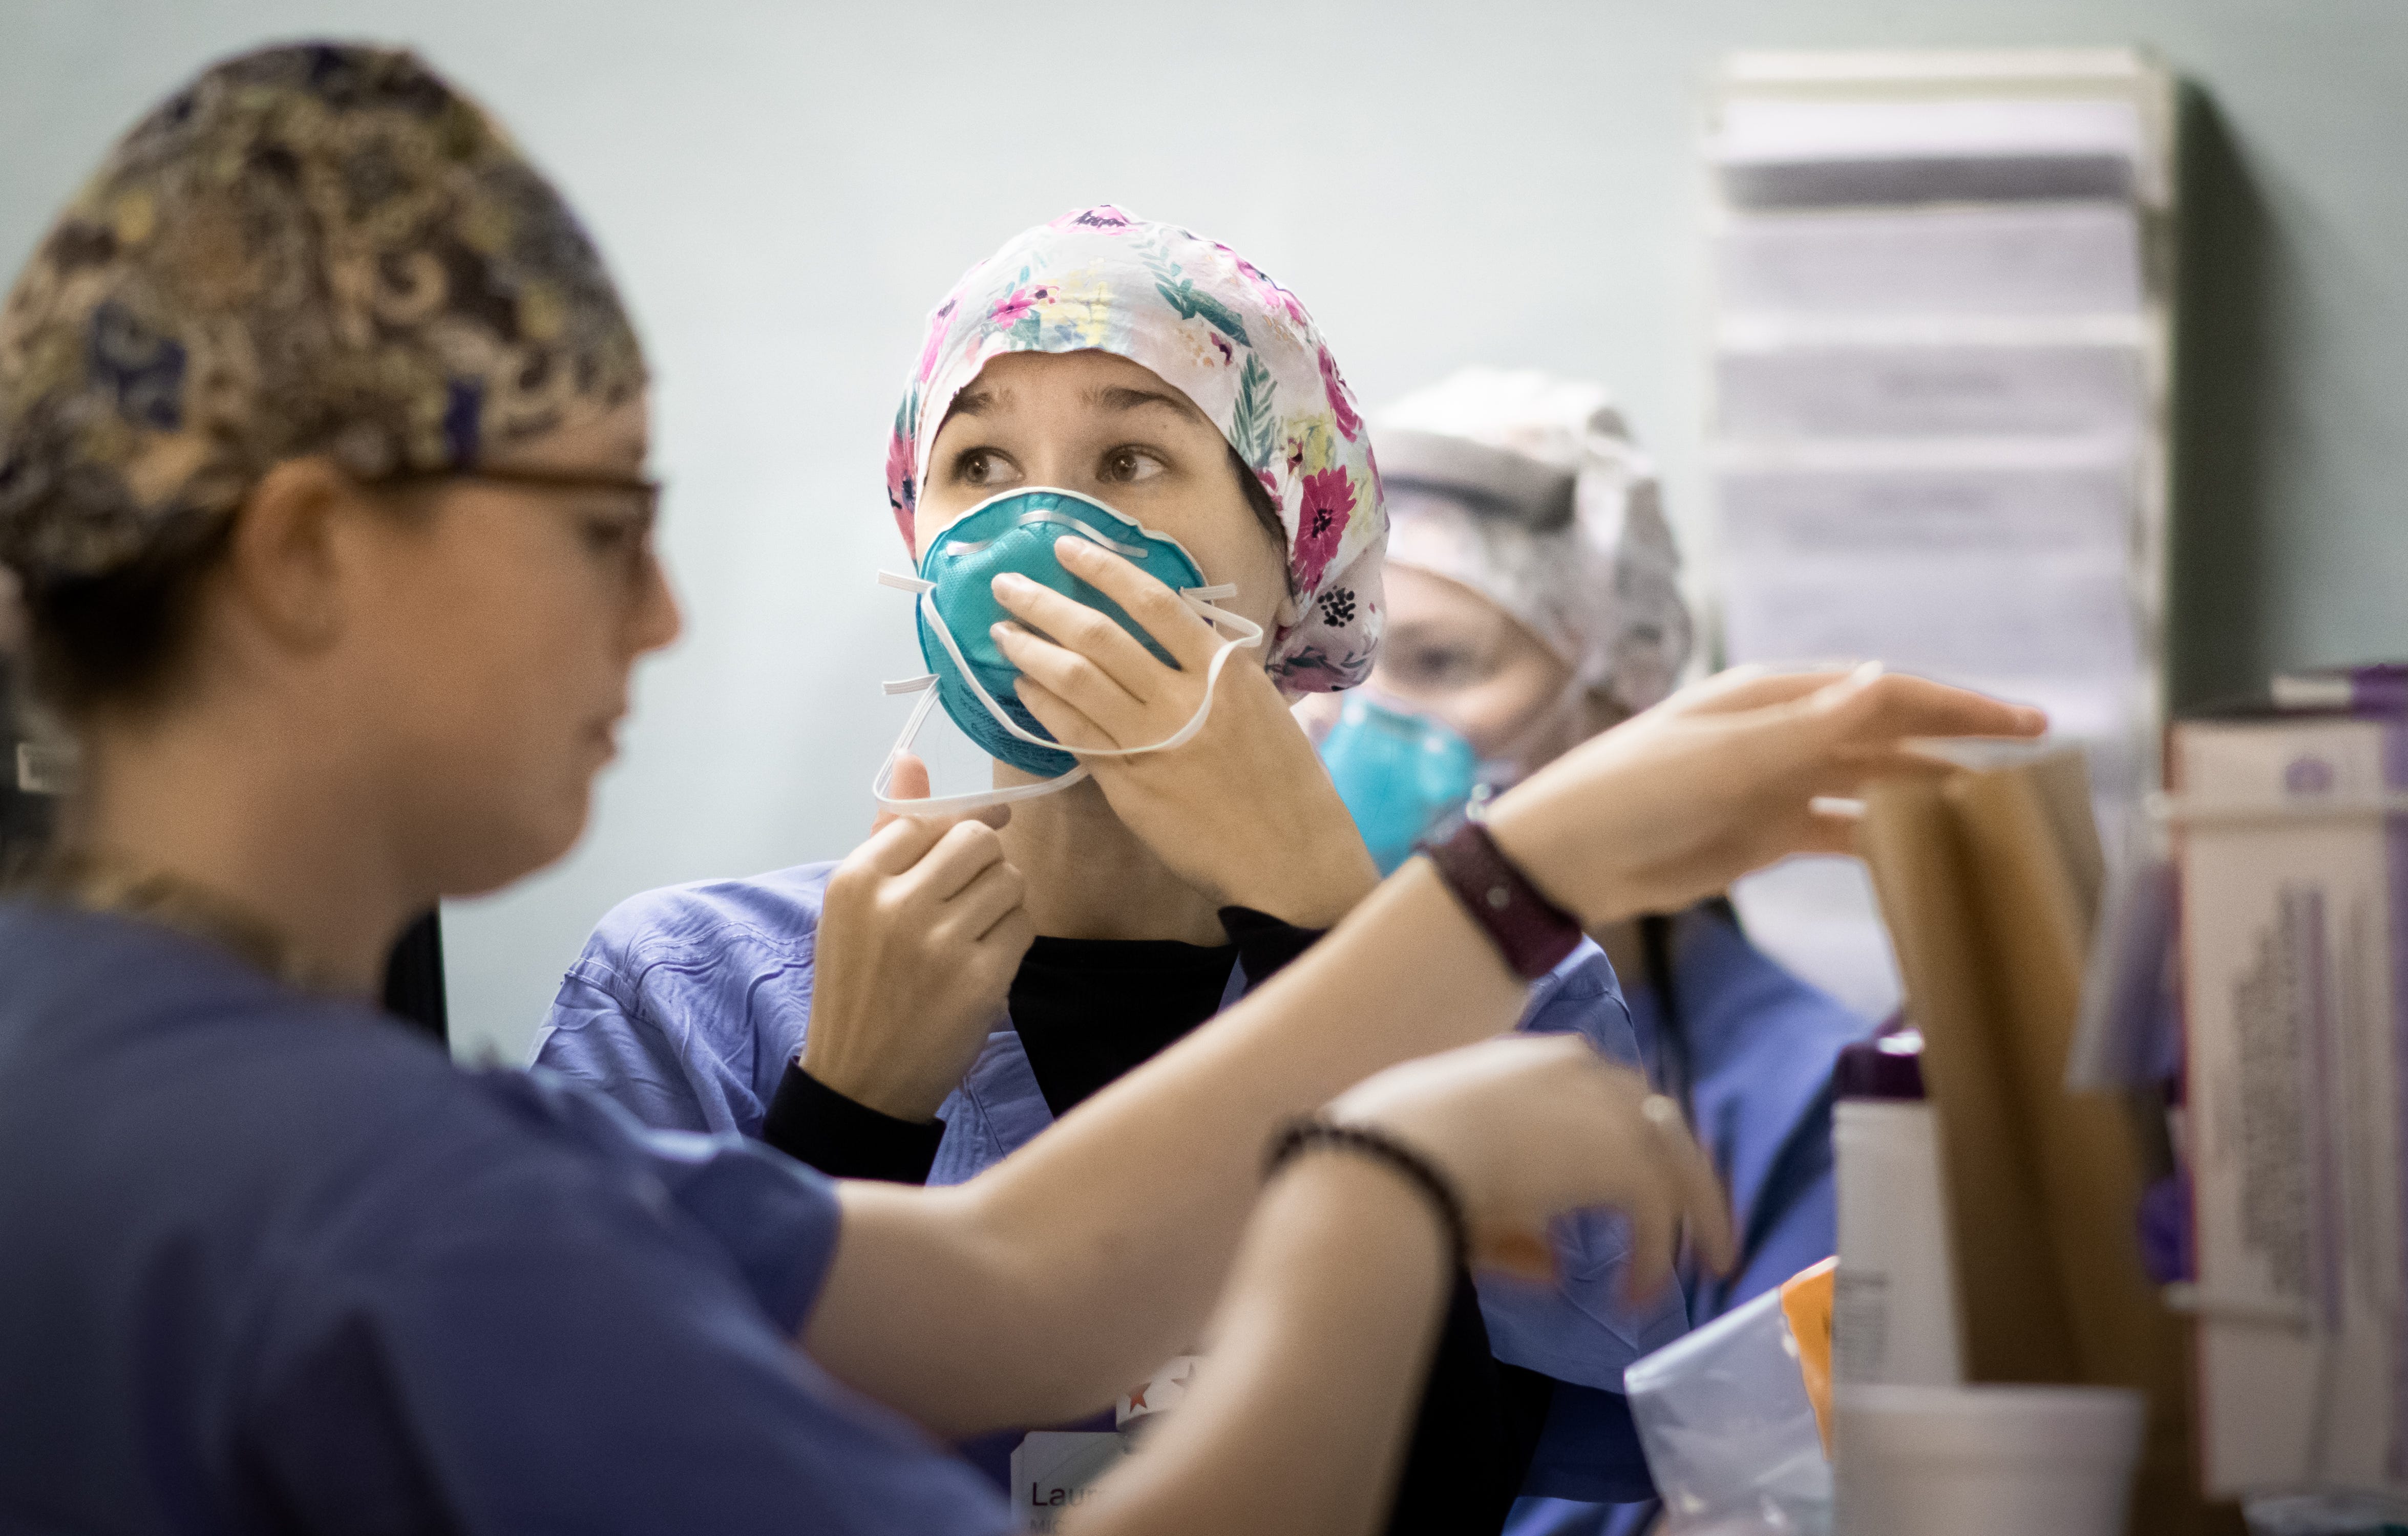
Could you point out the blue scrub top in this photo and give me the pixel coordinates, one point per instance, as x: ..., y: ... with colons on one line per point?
x: 689, y: 1001
x: 270, y: 1261
x: 1762, y: 1044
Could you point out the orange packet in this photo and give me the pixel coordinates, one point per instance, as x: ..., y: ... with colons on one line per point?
x: 1806, y: 1302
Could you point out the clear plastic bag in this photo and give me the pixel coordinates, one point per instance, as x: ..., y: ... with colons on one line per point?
x: 1729, y: 1430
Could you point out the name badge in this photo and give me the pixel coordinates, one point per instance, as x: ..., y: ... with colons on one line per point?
x: 1157, y: 1394
x: 1055, y: 1470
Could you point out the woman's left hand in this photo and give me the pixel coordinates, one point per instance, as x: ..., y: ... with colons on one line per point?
x: 1242, y: 810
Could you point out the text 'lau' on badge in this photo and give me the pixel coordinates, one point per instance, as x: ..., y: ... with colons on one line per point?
x: 1056, y: 1470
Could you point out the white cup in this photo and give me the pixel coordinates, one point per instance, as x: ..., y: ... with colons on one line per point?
x: 1985, y: 1461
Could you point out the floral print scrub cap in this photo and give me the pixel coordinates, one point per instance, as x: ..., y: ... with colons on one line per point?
x: 1525, y: 488
x: 315, y: 249
x: 1236, y: 344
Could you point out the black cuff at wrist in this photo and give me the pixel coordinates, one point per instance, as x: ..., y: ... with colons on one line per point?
x: 1265, y: 944
x: 812, y: 1122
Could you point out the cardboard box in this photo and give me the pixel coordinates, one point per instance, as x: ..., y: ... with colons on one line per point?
x: 2293, y: 864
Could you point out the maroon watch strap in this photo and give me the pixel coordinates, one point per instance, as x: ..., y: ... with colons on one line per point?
x: 1532, y: 933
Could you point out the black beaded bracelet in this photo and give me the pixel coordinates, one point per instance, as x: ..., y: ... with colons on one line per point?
x: 1302, y: 1136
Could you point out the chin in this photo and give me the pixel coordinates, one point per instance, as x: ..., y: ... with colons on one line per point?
x: 503, y: 853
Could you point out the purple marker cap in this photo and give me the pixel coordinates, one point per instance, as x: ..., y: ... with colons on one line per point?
x: 1887, y: 1066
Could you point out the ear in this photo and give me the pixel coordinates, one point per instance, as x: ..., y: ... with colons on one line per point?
x: 281, y: 567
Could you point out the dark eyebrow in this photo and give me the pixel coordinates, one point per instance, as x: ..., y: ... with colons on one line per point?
x: 975, y: 401
x: 1119, y: 397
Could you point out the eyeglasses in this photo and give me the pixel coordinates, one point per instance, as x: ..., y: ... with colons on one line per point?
x: 547, y: 480
x: 635, y: 531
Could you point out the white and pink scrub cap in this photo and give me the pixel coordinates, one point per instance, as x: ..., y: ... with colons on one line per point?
x: 1525, y: 488
x: 1211, y: 325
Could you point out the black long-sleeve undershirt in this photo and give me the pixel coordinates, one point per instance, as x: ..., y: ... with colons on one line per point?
x: 843, y: 1138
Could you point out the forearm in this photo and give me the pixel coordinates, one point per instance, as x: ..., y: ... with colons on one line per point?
x: 1296, y: 1422
x: 1091, y: 1256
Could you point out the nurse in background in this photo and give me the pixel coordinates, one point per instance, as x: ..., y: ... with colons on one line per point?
x: 1533, y: 603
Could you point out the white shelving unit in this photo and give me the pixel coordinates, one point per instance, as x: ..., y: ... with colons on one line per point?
x: 1941, y: 340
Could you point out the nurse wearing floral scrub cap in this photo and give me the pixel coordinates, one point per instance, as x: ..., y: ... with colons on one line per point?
x: 1534, y: 602
x: 1161, y: 373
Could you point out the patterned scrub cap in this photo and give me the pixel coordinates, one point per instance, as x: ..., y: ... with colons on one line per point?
x: 314, y: 249
x: 1211, y: 325
x: 1525, y: 488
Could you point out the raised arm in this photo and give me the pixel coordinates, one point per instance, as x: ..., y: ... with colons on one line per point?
x: 1319, y: 1343
x: 1038, y: 1290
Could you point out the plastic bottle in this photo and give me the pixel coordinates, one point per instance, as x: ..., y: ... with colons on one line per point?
x: 1894, y: 1309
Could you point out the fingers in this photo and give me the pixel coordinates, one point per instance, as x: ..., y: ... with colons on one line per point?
x: 1069, y: 725
x: 1175, y: 627
x: 1009, y: 940
x: 899, y: 843
x: 1826, y: 834
x: 1695, y: 1185
x: 1653, y: 1243
x: 1092, y: 632
x: 1748, y: 687
x: 1680, y: 1193
x: 992, y: 894
x: 1869, y: 699
x: 1071, y: 676
x: 967, y: 850
x: 1897, y: 705
x: 1852, y: 766
x: 909, y: 781
x: 1088, y: 633
x: 1849, y: 731
x: 1525, y: 1255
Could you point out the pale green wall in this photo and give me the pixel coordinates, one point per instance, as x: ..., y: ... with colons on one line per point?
x: 784, y: 188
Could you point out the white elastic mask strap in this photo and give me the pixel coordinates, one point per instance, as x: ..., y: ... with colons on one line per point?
x: 1248, y: 636
x: 947, y: 805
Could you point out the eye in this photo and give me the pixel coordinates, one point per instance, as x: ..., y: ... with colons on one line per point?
x: 604, y: 531
x: 1443, y: 666
x: 618, y: 536
x: 1129, y: 465
x: 983, y: 466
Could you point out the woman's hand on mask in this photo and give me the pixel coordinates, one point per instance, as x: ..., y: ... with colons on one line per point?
x: 1528, y: 1128
x: 921, y: 930
x: 1727, y: 777
x: 1242, y: 810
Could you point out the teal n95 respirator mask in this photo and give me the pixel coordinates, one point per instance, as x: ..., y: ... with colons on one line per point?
x: 969, y: 675
x: 1402, y: 773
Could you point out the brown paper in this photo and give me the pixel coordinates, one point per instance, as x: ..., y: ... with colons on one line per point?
x: 2010, y: 1306
x: 1990, y: 882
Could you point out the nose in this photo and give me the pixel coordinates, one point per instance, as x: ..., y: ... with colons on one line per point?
x: 656, y: 621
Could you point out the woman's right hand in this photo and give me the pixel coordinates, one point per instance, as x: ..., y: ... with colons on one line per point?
x: 921, y: 932
x: 1243, y: 811
x: 1531, y: 1127
x: 1724, y: 777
